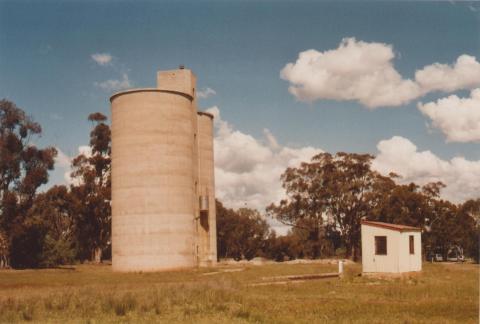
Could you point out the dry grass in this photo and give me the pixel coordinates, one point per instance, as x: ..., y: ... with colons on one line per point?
x: 93, y: 294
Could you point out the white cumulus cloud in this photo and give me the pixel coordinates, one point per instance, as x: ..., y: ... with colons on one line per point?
x: 247, y: 169
x: 102, y: 58
x: 458, y: 118
x: 205, y: 93
x: 271, y: 140
x: 356, y: 70
x: 401, y: 156
x: 115, y: 84
x: 85, y: 150
x: 464, y: 74
x: 64, y: 162
x: 364, y: 72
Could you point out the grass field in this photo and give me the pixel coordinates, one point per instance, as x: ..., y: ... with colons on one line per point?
x: 443, y: 293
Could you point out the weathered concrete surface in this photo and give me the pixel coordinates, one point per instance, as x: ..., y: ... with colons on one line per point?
x: 156, y: 181
x: 207, y: 229
x: 182, y: 80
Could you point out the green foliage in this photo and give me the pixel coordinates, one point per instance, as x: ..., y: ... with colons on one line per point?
x: 52, y: 211
x: 446, y: 225
x: 91, y: 193
x: 241, y: 233
x: 45, y: 239
x: 337, y: 186
x: 284, y: 248
x: 27, y: 246
x: 57, y: 252
x: 23, y: 169
x: 327, y: 198
x: 469, y: 234
x: 473, y: 249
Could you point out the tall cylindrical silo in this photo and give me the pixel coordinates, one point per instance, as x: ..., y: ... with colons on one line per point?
x: 153, y: 181
x: 207, y: 228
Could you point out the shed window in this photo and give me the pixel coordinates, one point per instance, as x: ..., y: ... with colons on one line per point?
x: 380, y: 245
x: 412, y: 246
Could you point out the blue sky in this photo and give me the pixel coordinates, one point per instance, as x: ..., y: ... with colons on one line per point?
x: 237, y: 48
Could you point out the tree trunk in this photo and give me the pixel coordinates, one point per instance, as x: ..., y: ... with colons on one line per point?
x: 97, y: 255
x: 355, y: 253
x: 348, y: 250
x: 4, y: 261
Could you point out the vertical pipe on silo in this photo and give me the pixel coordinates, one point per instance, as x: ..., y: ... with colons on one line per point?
x: 195, y: 166
x: 207, y: 234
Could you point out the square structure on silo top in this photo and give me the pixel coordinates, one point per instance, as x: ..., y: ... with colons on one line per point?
x: 181, y: 80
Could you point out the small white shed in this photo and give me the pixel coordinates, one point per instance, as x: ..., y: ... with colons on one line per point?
x: 390, y: 247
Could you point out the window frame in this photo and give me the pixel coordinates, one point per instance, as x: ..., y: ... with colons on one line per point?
x: 379, y: 240
x: 411, y: 244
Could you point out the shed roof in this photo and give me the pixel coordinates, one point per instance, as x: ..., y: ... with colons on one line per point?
x: 393, y: 227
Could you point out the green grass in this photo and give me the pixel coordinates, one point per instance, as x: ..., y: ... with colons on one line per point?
x: 443, y: 293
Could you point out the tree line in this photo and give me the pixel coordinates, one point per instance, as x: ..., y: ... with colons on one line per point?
x: 326, y: 199
x: 65, y: 223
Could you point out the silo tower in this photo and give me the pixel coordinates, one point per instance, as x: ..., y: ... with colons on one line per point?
x: 163, y: 194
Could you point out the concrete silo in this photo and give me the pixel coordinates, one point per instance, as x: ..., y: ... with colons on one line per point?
x: 155, y: 177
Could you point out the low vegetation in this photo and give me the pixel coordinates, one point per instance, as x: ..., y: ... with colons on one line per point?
x: 442, y: 293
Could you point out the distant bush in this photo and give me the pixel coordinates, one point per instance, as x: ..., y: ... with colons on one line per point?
x: 57, y: 252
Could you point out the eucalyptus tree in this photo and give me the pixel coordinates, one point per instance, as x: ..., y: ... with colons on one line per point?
x: 334, y: 190
x: 23, y: 169
x: 91, y: 191
x: 469, y: 221
x: 52, y: 214
x: 241, y: 234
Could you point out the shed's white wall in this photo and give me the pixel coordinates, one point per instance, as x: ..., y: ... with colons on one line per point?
x: 398, y: 258
x: 379, y: 263
x: 407, y: 261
